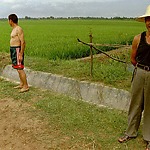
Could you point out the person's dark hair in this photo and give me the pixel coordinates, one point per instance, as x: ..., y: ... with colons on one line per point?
x: 13, y: 17
x: 147, y: 18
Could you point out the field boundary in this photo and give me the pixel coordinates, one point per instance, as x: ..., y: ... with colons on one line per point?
x: 94, y: 93
x: 92, y: 46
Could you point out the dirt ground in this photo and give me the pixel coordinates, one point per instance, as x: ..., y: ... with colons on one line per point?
x: 19, y: 130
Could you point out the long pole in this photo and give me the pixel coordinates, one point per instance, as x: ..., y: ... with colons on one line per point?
x: 91, y: 53
x: 101, y: 51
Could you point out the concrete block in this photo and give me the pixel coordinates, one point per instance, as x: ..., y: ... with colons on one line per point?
x: 90, y: 92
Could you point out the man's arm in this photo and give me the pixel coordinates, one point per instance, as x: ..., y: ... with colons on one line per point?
x: 22, y: 42
x: 135, y: 44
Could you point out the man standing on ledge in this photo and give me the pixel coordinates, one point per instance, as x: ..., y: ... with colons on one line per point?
x: 140, y: 95
x: 17, y: 47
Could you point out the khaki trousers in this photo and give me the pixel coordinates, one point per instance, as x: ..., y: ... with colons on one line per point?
x: 140, y: 104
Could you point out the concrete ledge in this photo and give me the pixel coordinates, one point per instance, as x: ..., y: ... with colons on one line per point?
x: 89, y: 92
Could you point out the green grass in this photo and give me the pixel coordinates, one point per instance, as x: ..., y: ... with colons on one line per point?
x: 84, y: 125
x: 52, y: 43
x: 57, y: 39
x: 106, y: 71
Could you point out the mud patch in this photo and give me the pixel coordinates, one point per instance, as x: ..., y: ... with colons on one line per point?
x: 18, y: 129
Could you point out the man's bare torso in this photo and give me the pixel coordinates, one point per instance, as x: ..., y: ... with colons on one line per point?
x: 15, y: 38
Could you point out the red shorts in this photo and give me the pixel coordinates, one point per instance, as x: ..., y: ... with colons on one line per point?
x: 14, y: 52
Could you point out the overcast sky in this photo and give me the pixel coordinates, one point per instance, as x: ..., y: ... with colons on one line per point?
x: 73, y: 8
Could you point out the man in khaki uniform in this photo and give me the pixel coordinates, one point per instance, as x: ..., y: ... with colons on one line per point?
x: 140, y: 100
x: 17, y: 47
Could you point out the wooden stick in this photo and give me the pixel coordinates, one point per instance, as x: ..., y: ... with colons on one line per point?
x: 111, y: 45
x: 91, y: 53
x: 101, y: 51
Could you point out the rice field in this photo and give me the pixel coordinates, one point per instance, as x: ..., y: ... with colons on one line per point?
x: 57, y: 39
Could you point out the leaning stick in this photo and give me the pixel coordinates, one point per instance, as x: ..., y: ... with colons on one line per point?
x: 91, y: 44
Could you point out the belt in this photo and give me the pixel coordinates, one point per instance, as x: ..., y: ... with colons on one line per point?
x: 147, y: 68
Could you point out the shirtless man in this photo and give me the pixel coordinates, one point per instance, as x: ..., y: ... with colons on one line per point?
x: 17, y: 47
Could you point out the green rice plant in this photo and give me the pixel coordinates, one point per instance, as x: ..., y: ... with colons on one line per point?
x: 53, y: 39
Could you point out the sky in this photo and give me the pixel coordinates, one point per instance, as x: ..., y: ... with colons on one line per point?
x: 73, y: 8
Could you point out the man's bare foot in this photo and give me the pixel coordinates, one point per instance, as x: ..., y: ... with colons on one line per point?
x: 18, y: 87
x: 24, y: 90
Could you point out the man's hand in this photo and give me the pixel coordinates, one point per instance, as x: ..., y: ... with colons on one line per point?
x: 20, y: 57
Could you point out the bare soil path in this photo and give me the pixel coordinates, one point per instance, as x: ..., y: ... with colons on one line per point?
x: 18, y: 129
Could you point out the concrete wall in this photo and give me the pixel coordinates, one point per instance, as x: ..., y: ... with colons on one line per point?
x: 89, y: 92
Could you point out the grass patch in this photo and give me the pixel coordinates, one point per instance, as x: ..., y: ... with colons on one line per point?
x: 60, y: 36
x: 105, y: 71
x: 44, y: 52
x: 82, y: 125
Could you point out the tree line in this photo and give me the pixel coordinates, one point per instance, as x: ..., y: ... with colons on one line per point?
x: 52, y: 17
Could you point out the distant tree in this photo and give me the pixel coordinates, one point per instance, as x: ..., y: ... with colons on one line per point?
x: 26, y: 17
